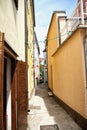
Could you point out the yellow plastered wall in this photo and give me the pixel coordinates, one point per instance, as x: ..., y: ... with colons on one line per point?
x: 52, y: 42
x: 69, y: 72
x: 30, y: 47
x: 30, y: 73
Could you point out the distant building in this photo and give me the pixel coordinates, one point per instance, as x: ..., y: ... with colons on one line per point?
x: 41, y: 60
x: 36, y: 60
x: 45, y: 65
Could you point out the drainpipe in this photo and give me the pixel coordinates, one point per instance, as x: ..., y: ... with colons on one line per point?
x: 85, y: 46
x: 26, y: 48
x: 26, y: 34
x: 33, y: 57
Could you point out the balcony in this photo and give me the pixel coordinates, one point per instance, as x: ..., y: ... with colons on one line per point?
x: 78, y: 18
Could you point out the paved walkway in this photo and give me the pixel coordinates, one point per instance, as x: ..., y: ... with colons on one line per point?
x: 44, y: 110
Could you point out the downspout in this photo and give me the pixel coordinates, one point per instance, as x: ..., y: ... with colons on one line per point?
x: 33, y: 14
x: 26, y: 33
x: 34, y: 57
x: 26, y: 50
x: 85, y: 42
x: 47, y: 61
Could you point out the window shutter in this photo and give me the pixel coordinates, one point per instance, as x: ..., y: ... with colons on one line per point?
x: 22, y: 99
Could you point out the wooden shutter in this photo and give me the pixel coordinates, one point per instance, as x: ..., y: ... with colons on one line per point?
x: 22, y: 98
x: 1, y: 78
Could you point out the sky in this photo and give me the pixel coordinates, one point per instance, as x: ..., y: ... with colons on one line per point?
x: 43, y: 14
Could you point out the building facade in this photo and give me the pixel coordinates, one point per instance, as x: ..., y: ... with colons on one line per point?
x: 45, y: 65
x: 36, y: 61
x: 13, y: 64
x: 66, y: 50
x: 30, y: 45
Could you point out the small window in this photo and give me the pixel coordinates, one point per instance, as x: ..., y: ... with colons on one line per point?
x: 16, y: 4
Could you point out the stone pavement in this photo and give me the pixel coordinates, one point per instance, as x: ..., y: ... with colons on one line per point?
x: 44, y: 110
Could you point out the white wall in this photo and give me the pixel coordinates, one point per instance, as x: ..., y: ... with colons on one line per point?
x: 21, y: 28
x: 13, y: 25
x: 36, y: 55
x: 36, y: 61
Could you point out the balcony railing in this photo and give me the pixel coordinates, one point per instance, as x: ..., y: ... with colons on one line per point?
x: 78, y: 17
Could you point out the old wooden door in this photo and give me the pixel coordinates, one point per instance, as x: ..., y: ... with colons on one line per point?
x: 22, y: 97
x: 1, y: 78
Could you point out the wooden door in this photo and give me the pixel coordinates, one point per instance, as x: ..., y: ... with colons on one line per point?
x: 22, y: 97
x: 1, y: 78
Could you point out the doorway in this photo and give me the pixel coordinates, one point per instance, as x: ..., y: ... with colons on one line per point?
x: 5, y: 95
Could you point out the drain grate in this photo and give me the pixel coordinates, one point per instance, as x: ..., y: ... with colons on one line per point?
x: 49, y: 127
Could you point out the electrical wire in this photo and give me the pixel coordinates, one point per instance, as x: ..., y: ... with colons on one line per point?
x: 54, y: 38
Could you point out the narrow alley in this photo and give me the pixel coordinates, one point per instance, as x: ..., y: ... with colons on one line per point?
x: 45, y: 113
x: 43, y: 65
